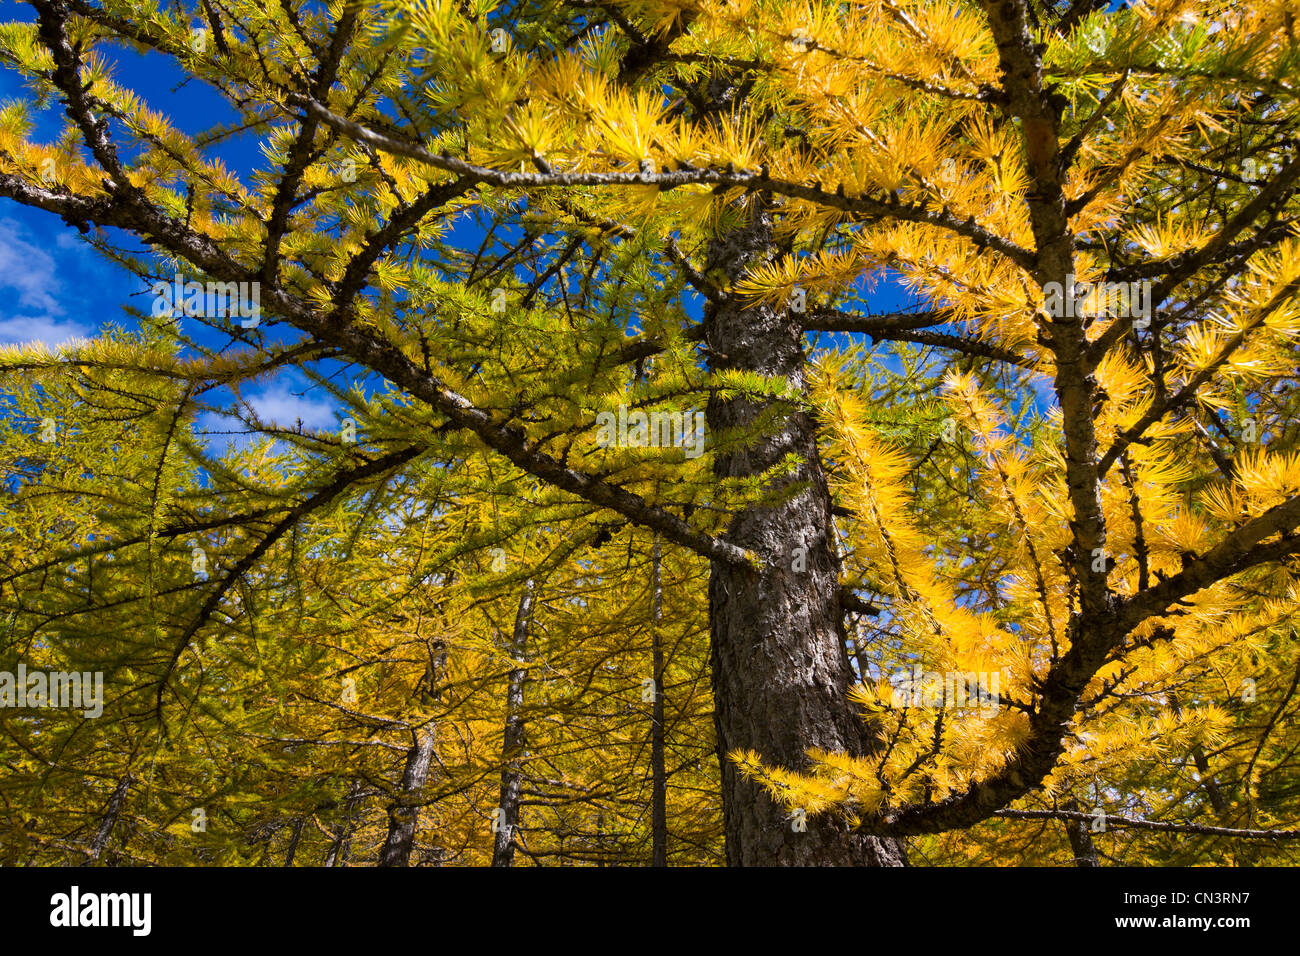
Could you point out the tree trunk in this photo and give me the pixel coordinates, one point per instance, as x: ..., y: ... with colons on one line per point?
x: 293, y: 841
x: 338, y: 851
x: 1085, y: 851
x: 503, y: 850
x: 659, y: 792
x: 780, y: 667
x: 404, y: 812
x: 111, y: 814
x: 402, y: 816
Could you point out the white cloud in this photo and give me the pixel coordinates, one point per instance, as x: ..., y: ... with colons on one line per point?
x: 46, y: 329
x: 281, y: 406
x: 29, y: 281
x: 276, y: 406
x: 28, y: 270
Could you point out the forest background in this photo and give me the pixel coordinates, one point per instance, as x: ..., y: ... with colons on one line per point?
x: 363, y: 582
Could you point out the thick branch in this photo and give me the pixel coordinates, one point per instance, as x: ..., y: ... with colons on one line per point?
x: 864, y: 208
x: 365, y: 349
x: 1128, y: 823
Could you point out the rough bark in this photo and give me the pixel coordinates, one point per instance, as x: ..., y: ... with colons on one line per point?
x: 780, y: 668
x: 503, y: 850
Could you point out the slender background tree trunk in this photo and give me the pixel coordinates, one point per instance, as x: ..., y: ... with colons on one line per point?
x: 1085, y: 851
x: 404, y: 812
x: 338, y: 851
x: 503, y: 850
x: 293, y: 840
x: 402, y: 816
x: 659, y: 797
x: 111, y: 814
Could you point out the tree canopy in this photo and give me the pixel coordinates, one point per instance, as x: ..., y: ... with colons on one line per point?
x: 764, y: 432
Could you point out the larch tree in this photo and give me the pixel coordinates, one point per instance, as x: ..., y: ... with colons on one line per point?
x: 597, y: 289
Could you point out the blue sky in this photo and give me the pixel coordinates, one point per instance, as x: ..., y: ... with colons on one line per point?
x: 51, y: 284
x: 57, y: 288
